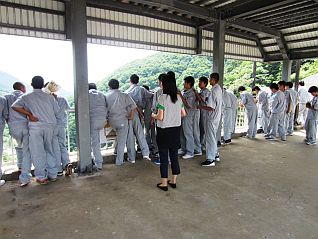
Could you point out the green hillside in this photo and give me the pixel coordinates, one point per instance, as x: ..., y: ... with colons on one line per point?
x: 236, y: 72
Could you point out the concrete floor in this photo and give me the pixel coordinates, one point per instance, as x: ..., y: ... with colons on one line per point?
x: 259, y: 189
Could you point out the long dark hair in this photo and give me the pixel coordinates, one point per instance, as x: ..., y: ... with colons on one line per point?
x: 169, y: 87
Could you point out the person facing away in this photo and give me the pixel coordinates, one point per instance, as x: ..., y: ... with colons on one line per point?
x: 214, y: 114
x: 234, y: 104
x: 247, y: 100
x: 227, y: 117
x: 281, y: 87
x: 289, y: 123
x: 42, y: 111
x: 304, y: 97
x: 121, y: 108
x: 139, y: 95
x: 18, y: 129
x: 170, y: 110
x: 262, y: 102
x: 59, y: 139
x: 276, y: 119
x: 201, y: 98
x: 3, y: 117
x: 312, y: 117
x: 98, y: 115
x: 190, y: 132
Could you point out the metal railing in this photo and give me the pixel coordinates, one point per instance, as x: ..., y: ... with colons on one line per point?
x: 9, y: 153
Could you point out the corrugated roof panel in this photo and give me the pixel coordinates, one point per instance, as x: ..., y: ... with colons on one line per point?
x: 300, y: 28
x: 239, y: 40
x: 271, y: 48
x: 20, y: 32
x: 294, y: 45
x: 46, y: 4
x: 206, y: 33
x: 268, y: 41
x: 302, y: 36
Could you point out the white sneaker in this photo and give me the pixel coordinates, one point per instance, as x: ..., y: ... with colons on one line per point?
x: 2, y: 182
x: 131, y: 161
x: 217, y: 158
x: 187, y: 156
x: 146, y: 158
x: 198, y: 154
x: 180, y: 152
x: 309, y: 143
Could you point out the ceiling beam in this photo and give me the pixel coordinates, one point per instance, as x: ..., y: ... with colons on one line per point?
x: 252, y: 7
x: 182, y: 7
x: 282, y: 46
x: 254, y: 27
x: 303, y: 55
x: 143, y: 11
x: 260, y: 47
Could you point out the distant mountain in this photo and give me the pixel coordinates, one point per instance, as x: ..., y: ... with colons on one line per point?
x: 7, y: 80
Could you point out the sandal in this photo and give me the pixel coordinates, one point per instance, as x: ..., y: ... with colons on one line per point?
x: 164, y: 188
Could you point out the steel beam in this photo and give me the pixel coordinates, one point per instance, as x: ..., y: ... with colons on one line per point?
x: 198, y: 40
x: 303, y: 55
x: 79, y: 43
x: 286, y: 70
x: 260, y: 47
x: 252, y: 7
x: 282, y: 46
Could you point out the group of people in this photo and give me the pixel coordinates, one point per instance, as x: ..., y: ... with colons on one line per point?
x: 163, y: 123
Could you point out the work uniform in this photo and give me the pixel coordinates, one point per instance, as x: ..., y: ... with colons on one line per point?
x: 190, y: 133
x: 290, y: 116
x: 45, y: 108
x: 212, y: 123
x: 204, y: 94
x: 139, y: 95
x: 312, y: 121
x: 234, y: 105
x: 119, y: 106
x: 3, y: 116
x: 262, y: 101
x: 59, y: 140
x: 227, y: 116
x: 276, y: 120
x: 149, y: 129
x: 247, y: 100
x: 157, y: 94
x: 98, y: 115
x: 18, y: 129
x: 304, y: 97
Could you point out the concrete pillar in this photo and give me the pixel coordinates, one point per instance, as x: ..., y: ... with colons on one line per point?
x: 254, y: 74
x: 79, y: 43
x: 218, y: 56
x: 296, y: 85
x: 219, y: 49
x: 286, y: 71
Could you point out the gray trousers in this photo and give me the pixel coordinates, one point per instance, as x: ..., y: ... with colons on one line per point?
x: 41, y: 149
x: 202, y: 127
x: 311, y: 130
x: 265, y: 120
x: 121, y: 140
x: 1, y: 147
x: 234, y: 113
x: 19, y: 132
x: 289, y: 122
x: 277, y: 124
x: 59, y: 147
x: 190, y: 134
x: 227, y: 124
x: 96, y: 126
x: 136, y: 129
x: 252, y: 123
x: 150, y: 134
x: 302, y: 114
x: 211, y: 139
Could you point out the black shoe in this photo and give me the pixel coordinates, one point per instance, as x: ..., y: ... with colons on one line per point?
x: 208, y: 163
x: 164, y: 188
x: 173, y: 185
x: 219, y: 144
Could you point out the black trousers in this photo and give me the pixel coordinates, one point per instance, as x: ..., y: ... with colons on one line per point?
x: 168, y: 140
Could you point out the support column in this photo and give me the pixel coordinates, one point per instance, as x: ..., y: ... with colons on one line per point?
x: 218, y: 57
x: 286, y: 71
x: 254, y: 74
x: 79, y: 42
x: 296, y: 85
x: 219, y: 49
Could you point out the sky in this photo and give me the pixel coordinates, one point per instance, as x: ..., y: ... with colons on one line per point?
x: 24, y: 57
